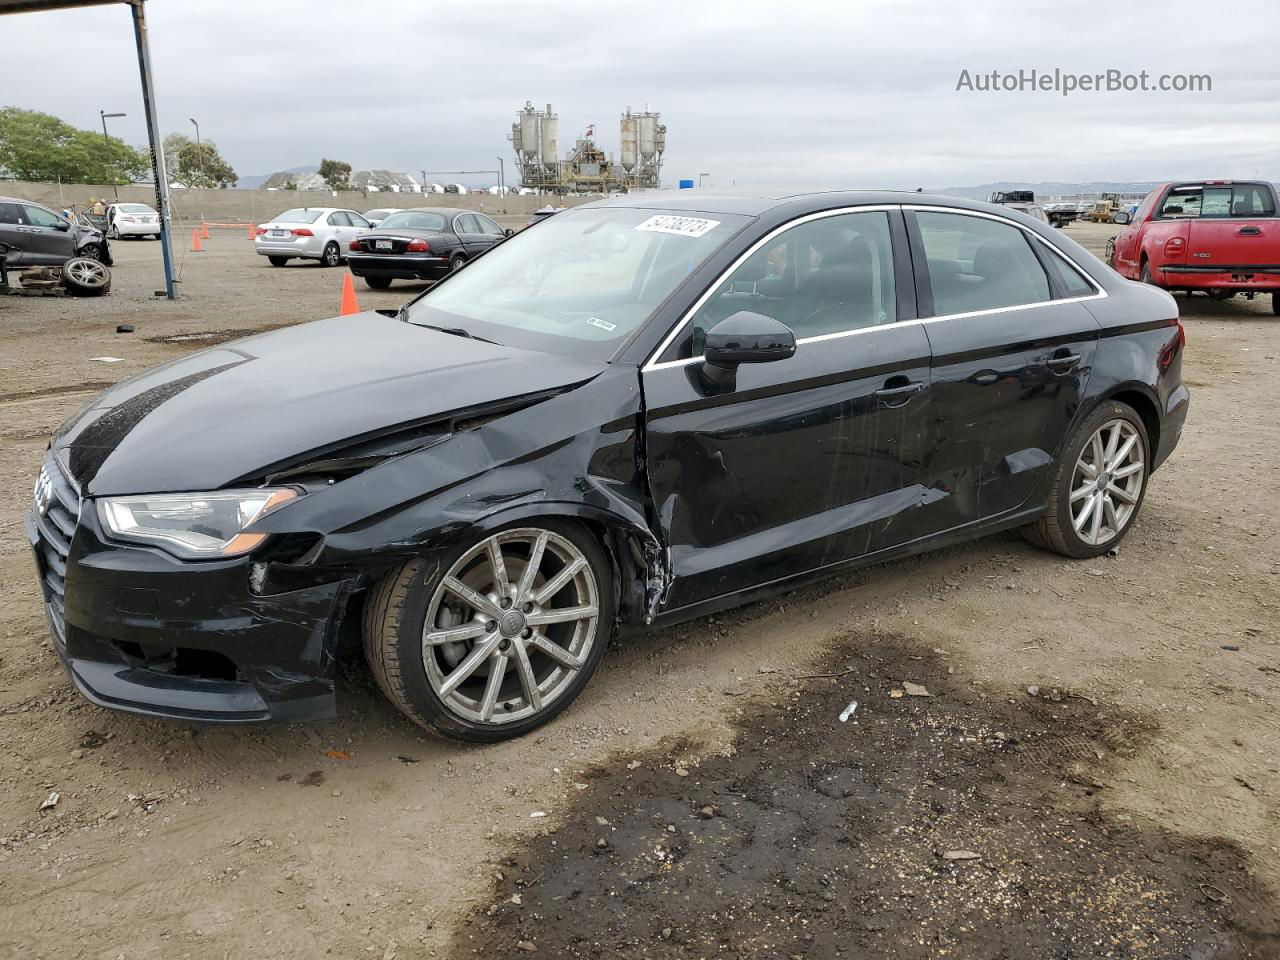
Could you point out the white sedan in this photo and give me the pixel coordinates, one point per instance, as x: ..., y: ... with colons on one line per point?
x: 132, y: 220
x: 375, y: 217
x: 309, y: 233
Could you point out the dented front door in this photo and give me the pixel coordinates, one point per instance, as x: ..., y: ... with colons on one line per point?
x: 803, y: 463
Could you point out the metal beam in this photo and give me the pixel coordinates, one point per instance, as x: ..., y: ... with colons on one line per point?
x: 157, y: 145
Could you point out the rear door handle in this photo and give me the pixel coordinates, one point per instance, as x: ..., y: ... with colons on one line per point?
x: 1063, y: 363
x: 896, y: 396
x: 1250, y: 232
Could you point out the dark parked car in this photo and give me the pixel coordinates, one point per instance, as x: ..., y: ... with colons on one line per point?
x: 426, y: 243
x: 38, y: 237
x: 646, y: 409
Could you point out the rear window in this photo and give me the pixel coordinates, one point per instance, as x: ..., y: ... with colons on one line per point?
x: 136, y: 208
x: 1219, y: 200
x: 299, y: 215
x: 414, y: 220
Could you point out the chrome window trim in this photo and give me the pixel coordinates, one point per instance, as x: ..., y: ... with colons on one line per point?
x: 653, y: 364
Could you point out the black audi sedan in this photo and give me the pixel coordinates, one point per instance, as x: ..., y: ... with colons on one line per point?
x: 426, y: 243
x: 644, y: 410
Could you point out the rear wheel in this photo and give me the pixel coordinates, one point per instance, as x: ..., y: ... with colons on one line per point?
x: 1275, y: 303
x: 1219, y: 294
x: 496, y: 638
x: 1145, y: 274
x: 378, y: 283
x: 1097, y: 486
x: 332, y: 256
x: 278, y: 261
x: 458, y: 262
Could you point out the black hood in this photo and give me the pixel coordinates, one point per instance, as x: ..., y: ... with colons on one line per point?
x: 216, y: 416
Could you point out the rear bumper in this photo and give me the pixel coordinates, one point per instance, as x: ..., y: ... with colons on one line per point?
x: 402, y: 267
x: 1220, y: 276
x: 145, y: 633
x: 308, y: 248
x: 138, y: 229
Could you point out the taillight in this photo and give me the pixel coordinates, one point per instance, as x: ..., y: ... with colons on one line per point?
x: 354, y: 245
x: 418, y: 246
x: 301, y: 232
x: 260, y: 231
x: 1174, y: 246
x: 1173, y: 347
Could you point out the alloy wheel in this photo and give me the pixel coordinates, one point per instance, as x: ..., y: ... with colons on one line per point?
x: 84, y: 272
x: 1106, y: 484
x: 510, y: 626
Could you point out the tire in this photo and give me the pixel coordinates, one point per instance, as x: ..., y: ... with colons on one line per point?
x: 1220, y: 295
x: 114, y: 234
x: 278, y: 261
x: 1144, y: 275
x: 1275, y: 303
x: 91, y: 250
x: 86, y: 277
x: 457, y: 262
x: 413, y: 674
x: 332, y: 256
x: 378, y: 283
x: 1057, y: 529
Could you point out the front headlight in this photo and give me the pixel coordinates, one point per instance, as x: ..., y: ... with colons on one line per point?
x: 194, y: 526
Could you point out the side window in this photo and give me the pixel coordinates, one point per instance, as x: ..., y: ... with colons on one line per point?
x: 356, y: 219
x: 829, y: 275
x: 979, y: 264
x: 467, y: 224
x: 488, y: 226
x: 40, y: 217
x: 1182, y: 202
x: 338, y: 219
x: 9, y: 213
x: 1066, y: 277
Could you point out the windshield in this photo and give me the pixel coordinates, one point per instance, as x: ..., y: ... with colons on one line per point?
x: 581, y: 283
x: 414, y: 220
x: 299, y: 215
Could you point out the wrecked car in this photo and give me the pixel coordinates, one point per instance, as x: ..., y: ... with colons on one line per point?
x: 647, y: 409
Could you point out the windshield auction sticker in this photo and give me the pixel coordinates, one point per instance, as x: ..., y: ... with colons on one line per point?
x: 681, y: 226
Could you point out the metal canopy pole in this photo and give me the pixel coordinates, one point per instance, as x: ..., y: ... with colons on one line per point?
x: 157, y: 147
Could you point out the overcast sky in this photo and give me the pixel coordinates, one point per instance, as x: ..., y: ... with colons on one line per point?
x: 772, y: 94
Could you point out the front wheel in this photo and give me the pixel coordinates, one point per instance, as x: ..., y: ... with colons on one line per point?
x: 1097, y: 486
x: 497, y: 637
x: 91, y: 250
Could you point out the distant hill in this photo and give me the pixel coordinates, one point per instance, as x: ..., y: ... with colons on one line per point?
x: 257, y: 180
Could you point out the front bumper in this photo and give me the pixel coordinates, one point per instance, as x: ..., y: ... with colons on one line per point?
x: 398, y: 267
x: 143, y: 632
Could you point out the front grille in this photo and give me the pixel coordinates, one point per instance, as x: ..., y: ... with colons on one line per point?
x: 57, y: 512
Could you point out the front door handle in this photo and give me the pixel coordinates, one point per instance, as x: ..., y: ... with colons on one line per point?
x: 897, y: 395
x: 1069, y: 362
x: 1249, y: 232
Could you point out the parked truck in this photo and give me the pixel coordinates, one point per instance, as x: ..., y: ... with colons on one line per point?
x: 1219, y: 236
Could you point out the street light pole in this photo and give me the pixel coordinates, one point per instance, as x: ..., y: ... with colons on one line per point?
x: 107, y: 141
x: 700, y: 176
x: 199, y: 148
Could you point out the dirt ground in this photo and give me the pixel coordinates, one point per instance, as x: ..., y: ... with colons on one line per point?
x: 1133, y: 813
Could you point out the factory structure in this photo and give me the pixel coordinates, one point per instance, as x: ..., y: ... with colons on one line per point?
x: 585, y: 167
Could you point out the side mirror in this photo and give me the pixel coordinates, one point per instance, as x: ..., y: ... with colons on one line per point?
x: 747, y: 337
x: 63, y: 225
x: 508, y: 232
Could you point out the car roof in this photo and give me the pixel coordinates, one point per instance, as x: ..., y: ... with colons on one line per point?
x: 446, y: 211
x: 757, y: 204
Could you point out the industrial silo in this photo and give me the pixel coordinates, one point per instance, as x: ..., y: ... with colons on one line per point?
x: 550, y: 135
x: 629, y: 142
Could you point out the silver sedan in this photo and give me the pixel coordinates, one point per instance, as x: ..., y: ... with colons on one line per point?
x: 309, y: 233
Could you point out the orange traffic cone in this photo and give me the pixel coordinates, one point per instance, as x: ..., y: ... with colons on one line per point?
x: 251, y: 231
x: 349, y: 304
x: 195, y: 240
x: 204, y: 230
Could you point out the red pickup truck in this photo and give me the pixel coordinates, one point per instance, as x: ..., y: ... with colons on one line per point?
x: 1220, y: 236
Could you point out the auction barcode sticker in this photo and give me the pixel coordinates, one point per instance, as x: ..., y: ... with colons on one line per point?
x: 683, y: 226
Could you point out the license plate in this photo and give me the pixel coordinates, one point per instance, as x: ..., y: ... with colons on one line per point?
x: 279, y: 233
x: 382, y: 245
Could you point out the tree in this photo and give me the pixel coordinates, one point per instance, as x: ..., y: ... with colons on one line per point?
x: 197, y: 164
x: 336, y: 174
x: 39, y: 146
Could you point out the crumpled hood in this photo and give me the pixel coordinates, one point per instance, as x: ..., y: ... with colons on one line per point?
x: 215, y: 416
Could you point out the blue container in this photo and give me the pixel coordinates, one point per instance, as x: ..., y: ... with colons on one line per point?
x: 686, y: 184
